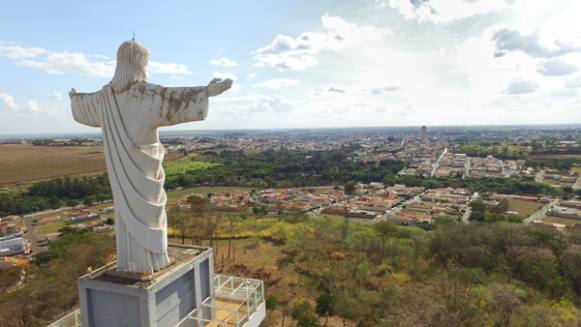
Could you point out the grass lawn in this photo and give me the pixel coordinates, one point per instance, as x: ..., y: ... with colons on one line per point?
x: 185, y: 164
x: 523, y: 207
x: 558, y: 156
x: 50, y: 227
x: 552, y: 182
x: 576, y: 169
x: 99, y: 207
x: 559, y: 220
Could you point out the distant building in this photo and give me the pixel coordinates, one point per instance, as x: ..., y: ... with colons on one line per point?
x: 12, y: 245
x: 424, y: 132
x: 13, y: 141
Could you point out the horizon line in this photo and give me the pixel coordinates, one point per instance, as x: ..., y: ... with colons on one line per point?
x: 161, y: 131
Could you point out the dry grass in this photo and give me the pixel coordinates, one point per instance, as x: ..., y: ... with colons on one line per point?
x: 50, y: 227
x: 559, y: 220
x: 555, y: 183
x: 27, y: 163
x: 174, y: 195
x: 577, y: 170
x: 523, y: 207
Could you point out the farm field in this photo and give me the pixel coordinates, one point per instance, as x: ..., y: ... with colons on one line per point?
x: 25, y: 163
x: 523, y: 207
x: 21, y: 163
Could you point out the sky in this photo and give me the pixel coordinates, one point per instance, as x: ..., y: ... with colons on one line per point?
x: 303, y: 63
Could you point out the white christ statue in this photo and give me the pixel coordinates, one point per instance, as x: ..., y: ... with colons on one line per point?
x: 129, y: 111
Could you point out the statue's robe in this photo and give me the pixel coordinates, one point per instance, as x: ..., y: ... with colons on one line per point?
x: 134, y: 155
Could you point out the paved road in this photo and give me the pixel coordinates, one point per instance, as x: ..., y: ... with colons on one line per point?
x: 437, y: 163
x: 503, y: 169
x: 541, y: 212
x: 391, y: 212
x: 540, y: 176
x: 31, y: 236
x: 466, y: 215
x: 577, y: 184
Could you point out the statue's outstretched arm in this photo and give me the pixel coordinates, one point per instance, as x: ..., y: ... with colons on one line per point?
x: 188, y: 104
x: 218, y: 86
x: 86, y: 108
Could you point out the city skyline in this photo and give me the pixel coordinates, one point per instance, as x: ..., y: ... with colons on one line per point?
x: 323, y: 64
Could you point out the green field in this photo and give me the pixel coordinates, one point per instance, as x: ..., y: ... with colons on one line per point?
x: 186, y: 164
x: 552, y: 182
x: 474, y: 148
x: 523, y: 207
x: 50, y: 227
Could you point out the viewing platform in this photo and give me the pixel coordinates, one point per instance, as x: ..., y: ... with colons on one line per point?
x: 186, y: 294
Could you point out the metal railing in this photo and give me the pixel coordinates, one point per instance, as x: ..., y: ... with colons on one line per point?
x: 73, y: 319
x: 235, y: 300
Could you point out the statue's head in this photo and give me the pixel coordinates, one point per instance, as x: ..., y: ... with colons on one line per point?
x: 131, y: 67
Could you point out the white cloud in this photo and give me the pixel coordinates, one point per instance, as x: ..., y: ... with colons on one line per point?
x: 222, y: 75
x: 33, y: 106
x: 335, y: 90
x: 276, y: 84
x: 445, y: 11
x: 17, y: 52
x: 76, y: 63
x: 223, y: 62
x: 574, y: 83
x: 298, y: 53
x: 556, y: 67
x: 168, y: 69
x: 71, y: 63
x: 253, y: 103
x: 8, y: 101
x: 521, y: 87
x: 382, y: 90
x: 507, y: 40
x: 56, y: 95
x: 30, y: 106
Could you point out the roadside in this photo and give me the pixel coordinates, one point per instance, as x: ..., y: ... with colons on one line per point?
x: 541, y: 212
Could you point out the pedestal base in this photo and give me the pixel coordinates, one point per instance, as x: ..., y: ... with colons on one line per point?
x: 110, y: 299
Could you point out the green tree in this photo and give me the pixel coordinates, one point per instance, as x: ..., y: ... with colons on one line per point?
x: 303, y: 313
x: 384, y: 229
x: 325, y: 306
x: 349, y: 188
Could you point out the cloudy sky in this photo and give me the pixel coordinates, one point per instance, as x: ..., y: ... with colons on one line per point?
x: 315, y: 63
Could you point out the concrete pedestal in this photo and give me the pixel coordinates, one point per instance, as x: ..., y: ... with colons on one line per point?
x: 110, y: 299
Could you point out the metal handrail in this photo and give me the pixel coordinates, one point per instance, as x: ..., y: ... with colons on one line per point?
x: 228, y: 287
x: 248, y: 292
x: 72, y: 319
